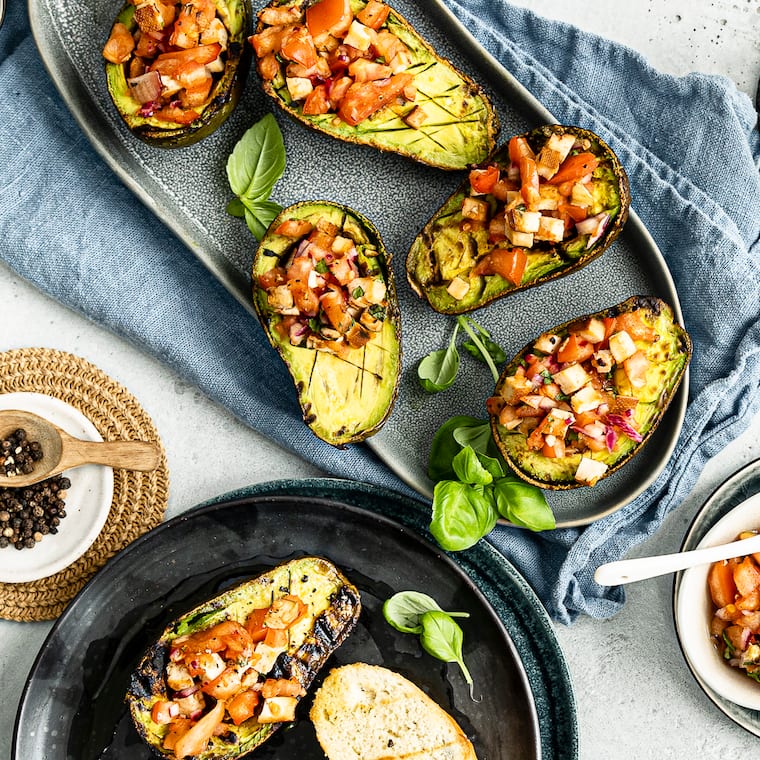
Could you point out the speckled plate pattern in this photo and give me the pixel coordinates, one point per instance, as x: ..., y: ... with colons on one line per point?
x: 730, y: 494
x: 188, y: 190
x: 72, y: 705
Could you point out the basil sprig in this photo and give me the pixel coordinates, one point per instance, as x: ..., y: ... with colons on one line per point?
x: 253, y: 168
x: 440, y: 635
x: 438, y: 370
x: 473, y: 488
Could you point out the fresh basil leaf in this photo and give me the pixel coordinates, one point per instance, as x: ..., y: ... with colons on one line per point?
x: 444, y: 446
x: 257, y: 161
x: 442, y: 638
x: 259, y: 215
x: 492, y: 465
x: 404, y: 610
x: 461, y: 515
x: 468, y: 468
x: 523, y: 504
x: 438, y: 370
x: 467, y: 323
x: 236, y: 208
x: 478, y: 436
x: 495, y: 351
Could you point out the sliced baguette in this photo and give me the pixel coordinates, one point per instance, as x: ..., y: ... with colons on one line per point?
x: 366, y: 712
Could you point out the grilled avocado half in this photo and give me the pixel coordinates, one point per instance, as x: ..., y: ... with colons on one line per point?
x: 314, y: 608
x: 324, y: 292
x: 582, y: 399
x: 196, y: 121
x: 357, y: 70
x: 542, y: 206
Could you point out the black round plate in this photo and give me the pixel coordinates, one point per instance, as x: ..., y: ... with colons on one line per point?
x: 73, y: 707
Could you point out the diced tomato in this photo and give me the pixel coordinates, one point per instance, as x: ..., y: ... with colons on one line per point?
x: 363, y: 99
x: 337, y: 89
x: 297, y: 45
x: 242, y: 706
x: 294, y: 228
x: 747, y: 576
x: 574, y: 167
x: 316, y: 102
x: 576, y: 213
x: 634, y: 325
x: 276, y: 638
x: 555, y: 450
x: 224, y: 686
x: 518, y: 149
x: 529, y: 188
x: 483, y: 180
x: 254, y: 624
x: 283, y: 326
x: 217, y: 638
x: 120, y: 44
x: 272, y: 277
x: 373, y: 14
x: 510, y: 263
x: 720, y: 580
x: 332, y: 16
x: 575, y: 349
x: 285, y: 612
x: 501, y: 188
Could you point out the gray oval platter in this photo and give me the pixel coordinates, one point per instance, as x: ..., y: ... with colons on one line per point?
x: 188, y: 191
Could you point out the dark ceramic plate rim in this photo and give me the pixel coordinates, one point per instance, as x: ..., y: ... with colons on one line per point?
x: 494, y: 581
x: 728, y: 495
x: 106, y: 142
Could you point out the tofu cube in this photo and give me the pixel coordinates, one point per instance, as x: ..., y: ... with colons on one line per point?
x: 525, y: 221
x: 458, y: 288
x: 548, y: 343
x: 586, y: 399
x: 592, y: 331
x: 621, y: 346
x: 359, y: 36
x: 522, y: 239
x: 581, y: 196
x: 589, y: 471
x: 551, y: 229
x: 298, y: 87
x: 571, y: 379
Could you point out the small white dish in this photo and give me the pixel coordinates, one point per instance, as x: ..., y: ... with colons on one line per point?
x: 88, y: 501
x: 693, y: 613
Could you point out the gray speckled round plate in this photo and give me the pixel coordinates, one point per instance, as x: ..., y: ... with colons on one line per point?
x: 73, y: 707
x: 735, y: 490
x: 187, y: 189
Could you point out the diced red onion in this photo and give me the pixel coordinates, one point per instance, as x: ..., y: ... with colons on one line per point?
x: 594, y: 227
x: 146, y: 88
x: 625, y: 427
x: 186, y: 692
x: 610, y: 438
x: 513, y: 172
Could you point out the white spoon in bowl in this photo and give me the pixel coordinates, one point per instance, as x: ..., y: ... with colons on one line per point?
x: 641, y: 568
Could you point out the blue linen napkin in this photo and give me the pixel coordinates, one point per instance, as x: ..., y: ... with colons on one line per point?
x: 691, y: 149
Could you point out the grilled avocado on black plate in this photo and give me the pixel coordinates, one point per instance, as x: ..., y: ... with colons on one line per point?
x: 358, y: 71
x: 323, y: 290
x: 542, y: 206
x: 223, y: 677
x: 175, y: 70
x: 582, y: 399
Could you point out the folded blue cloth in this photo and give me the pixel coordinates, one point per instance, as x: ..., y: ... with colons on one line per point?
x: 690, y: 147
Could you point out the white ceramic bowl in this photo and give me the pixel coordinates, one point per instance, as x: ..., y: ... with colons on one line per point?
x: 88, y: 501
x: 693, y: 613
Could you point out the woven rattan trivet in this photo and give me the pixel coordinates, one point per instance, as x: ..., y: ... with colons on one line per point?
x: 139, y: 498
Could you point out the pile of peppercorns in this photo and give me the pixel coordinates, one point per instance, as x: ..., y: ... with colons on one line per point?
x: 27, y: 514
x: 18, y: 454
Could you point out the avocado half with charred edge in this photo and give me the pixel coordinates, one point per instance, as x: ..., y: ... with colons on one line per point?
x: 333, y: 606
x: 657, y: 337
x: 450, y: 124
x: 346, y: 396
x: 224, y: 95
x: 450, y: 246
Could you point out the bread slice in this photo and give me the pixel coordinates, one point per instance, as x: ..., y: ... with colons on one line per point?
x: 366, y: 712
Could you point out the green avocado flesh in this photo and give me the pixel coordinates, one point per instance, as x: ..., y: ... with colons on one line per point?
x: 333, y: 610
x: 668, y: 356
x: 460, y: 124
x: 224, y: 95
x: 344, y: 399
x: 447, y: 247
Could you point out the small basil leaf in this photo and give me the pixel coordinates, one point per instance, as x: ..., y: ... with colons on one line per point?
x: 492, y: 465
x: 438, y: 370
x: 235, y: 208
x: 478, y: 436
x: 445, y: 447
x: 468, y: 468
x: 442, y: 638
x: 523, y: 504
x: 257, y: 160
x: 259, y: 215
x: 461, y: 515
x: 404, y: 610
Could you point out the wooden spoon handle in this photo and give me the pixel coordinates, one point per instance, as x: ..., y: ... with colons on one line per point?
x: 121, y: 455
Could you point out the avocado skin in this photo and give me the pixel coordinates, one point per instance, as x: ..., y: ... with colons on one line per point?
x: 558, y: 474
x: 469, y: 143
x: 367, y: 411
x: 552, y: 262
x: 342, y: 607
x: 225, y: 94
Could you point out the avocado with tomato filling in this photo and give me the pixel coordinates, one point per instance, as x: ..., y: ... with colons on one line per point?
x: 358, y: 71
x: 324, y: 292
x: 223, y: 677
x: 175, y: 70
x: 582, y: 399
x: 542, y: 206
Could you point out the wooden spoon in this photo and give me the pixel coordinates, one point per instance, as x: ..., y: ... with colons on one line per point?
x: 61, y: 451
